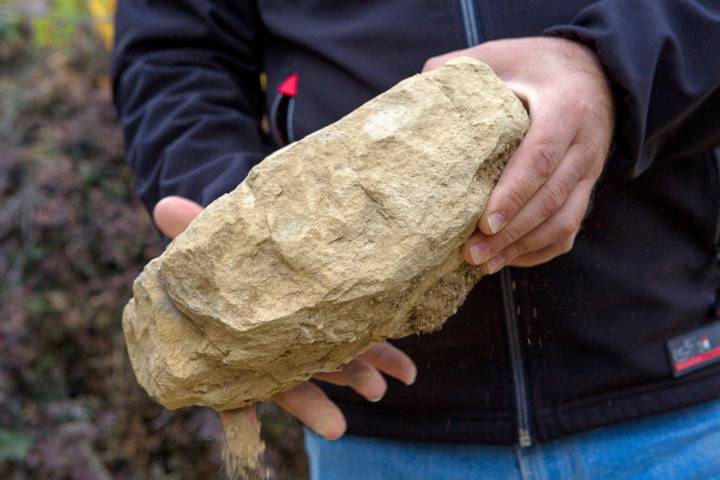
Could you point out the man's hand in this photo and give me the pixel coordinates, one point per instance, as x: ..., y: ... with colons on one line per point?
x: 307, y: 402
x: 536, y: 209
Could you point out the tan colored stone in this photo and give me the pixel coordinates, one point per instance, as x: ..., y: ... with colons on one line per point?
x: 341, y: 240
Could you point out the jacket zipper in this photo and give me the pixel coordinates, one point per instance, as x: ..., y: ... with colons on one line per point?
x: 522, y: 405
x: 716, y: 155
x: 516, y: 360
x: 716, y: 308
x: 469, y: 17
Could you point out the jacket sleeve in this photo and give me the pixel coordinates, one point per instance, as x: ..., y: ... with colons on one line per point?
x: 186, y: 81
x: 661, y: 57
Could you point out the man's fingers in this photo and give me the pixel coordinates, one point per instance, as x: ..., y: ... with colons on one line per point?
x: 365, y: 379
x: 172, y: 215
x: 391, y: 360
x: 440, y: 60
x: 530, y: 167
x: 559, y: 230
x: 544, y: 255
x: 492, y: 53
x: 547, y: 201
x: 563, y: 224
x: 309, y: 404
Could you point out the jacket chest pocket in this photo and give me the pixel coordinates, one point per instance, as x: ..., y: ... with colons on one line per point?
x: 282, y: 111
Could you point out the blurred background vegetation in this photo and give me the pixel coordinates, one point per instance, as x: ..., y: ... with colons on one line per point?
x: 72, y: 239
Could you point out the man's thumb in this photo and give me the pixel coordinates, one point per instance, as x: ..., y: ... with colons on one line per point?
x: 172, y: 215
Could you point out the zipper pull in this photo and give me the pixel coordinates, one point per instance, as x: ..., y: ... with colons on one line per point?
x: 289, y: 86
x: 283, y: 111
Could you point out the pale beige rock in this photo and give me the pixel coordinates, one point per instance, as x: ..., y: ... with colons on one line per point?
x: 341, y: 240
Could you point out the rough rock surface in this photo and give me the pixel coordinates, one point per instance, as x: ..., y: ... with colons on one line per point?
x: 341, y: 240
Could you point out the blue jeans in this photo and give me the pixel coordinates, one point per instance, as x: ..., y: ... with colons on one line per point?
x: 682, y: 445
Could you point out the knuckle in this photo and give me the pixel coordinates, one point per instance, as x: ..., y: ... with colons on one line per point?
x: 518, y: 248
x: 596, y: 170
x: 567, y: 245
x: 514, y: 200
x: 553, y: 198
x: 585, y: 150
x: 510, y: 234
x: 568, y: 228
x: 587, y: 185
x: 589, y: 162
x: 543, y: 160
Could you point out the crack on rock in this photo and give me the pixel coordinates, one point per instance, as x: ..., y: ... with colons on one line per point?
x: 379, y: 207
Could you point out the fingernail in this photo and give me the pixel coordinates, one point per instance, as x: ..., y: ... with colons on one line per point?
x: 479, y: 252
x: 375, y: 400
x: 412, y: 380
x: 496, y: 221
x: 495, y: 264
x: 331, y: 432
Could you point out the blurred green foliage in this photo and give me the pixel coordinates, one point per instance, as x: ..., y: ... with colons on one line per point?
x: 14, y: 445
x: 54, y: 23
x: 59, y: 24
x: 72, y: 240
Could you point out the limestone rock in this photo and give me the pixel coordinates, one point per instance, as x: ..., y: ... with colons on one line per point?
x: 341, y: 240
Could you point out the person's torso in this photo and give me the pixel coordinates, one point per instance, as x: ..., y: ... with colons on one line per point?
x: 569, y: 345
